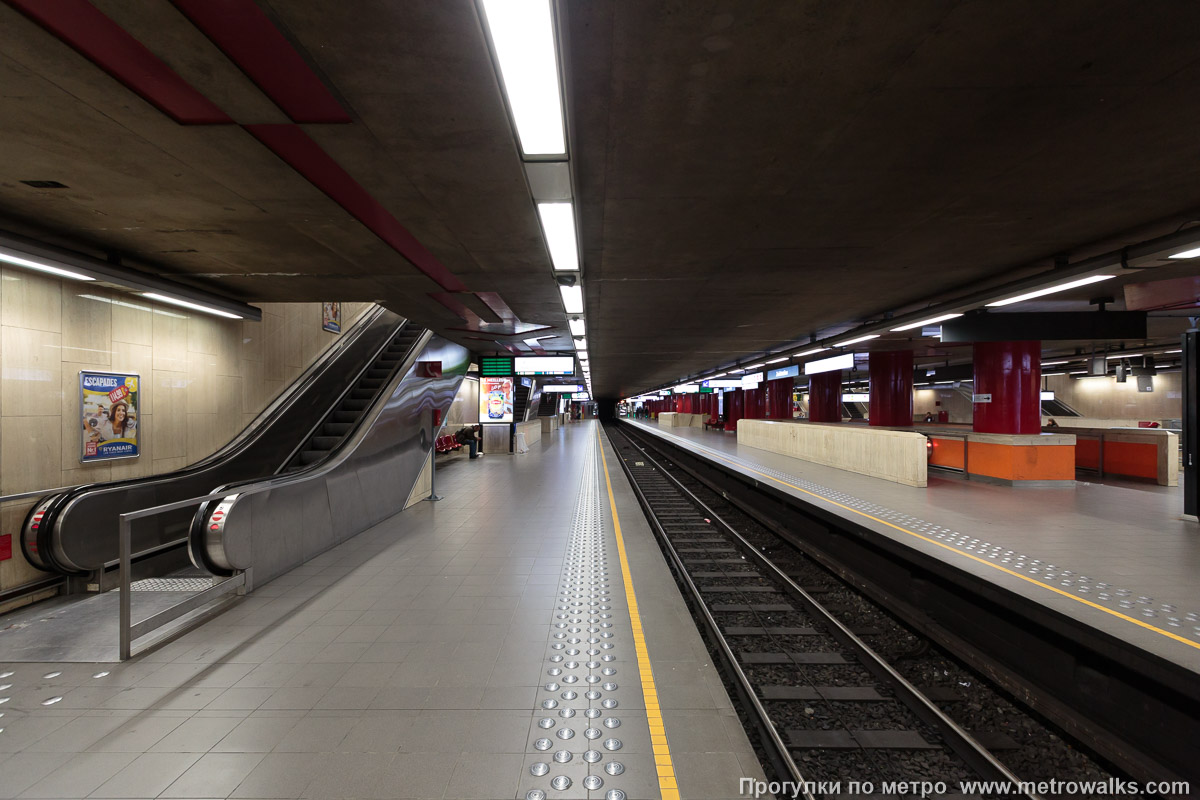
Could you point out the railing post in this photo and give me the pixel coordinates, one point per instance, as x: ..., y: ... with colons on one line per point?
x: 124, y: 534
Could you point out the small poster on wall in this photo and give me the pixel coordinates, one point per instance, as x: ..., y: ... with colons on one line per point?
x: 109, y: 407
x: 331, y: 317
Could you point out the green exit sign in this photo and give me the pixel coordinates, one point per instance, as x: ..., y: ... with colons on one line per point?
x: 496, y: 366
x: 706, y: 390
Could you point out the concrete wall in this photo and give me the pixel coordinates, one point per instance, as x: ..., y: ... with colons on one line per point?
x: 1105, y: 399
x: 203, y: 378
x: 897, y: 456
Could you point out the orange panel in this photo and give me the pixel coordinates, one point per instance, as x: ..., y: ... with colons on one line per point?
x: 947, y: 453
x: 1087, y: 453
x: 1130, y: 458
x: 1022, y: 462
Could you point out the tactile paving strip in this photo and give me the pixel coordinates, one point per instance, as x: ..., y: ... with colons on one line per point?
x: 1165, y: 616
x: 575, y: 743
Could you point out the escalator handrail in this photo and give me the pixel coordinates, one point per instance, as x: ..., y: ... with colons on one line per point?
x: 349, y: 443
x: 369, y: 363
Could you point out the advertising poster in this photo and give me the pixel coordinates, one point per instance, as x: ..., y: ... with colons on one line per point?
x: 109, y: 405
x: 495, y: 400
x: 331, y: 317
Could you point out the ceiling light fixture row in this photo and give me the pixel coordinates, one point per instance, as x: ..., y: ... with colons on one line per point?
x: 1181, y: 245
x: 525, y: 49
x: 17, y: 251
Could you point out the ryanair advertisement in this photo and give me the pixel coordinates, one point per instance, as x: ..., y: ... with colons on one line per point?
x: 109, y: 404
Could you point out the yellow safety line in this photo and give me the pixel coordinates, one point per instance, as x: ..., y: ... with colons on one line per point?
x: 956, y: 551
x: 667, y: 785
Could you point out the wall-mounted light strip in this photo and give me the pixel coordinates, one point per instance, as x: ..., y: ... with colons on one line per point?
x: 23, y: 253
x: 1193, y: 253
x: 578, y: 326
x: 1062, y: 287
x: 858, y: 340
x: 12, y: 258
x: 175, y: 301
x: 924, y: 322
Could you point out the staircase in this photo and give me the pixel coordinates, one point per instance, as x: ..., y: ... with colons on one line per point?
x: 549, y: 405
x: 338, y: 424
x: 520, y: 401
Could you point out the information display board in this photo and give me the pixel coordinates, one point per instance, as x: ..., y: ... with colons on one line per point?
x: 109, y: 405
x: 544, y: 365
x: 569, y: 388
x: 495, y: 400
x: 496, y: 366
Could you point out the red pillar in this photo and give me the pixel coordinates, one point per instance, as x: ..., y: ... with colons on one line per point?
x: 756, y: 403
x: 734, y: 407
x: 1011, y: 373
x: 825, y: 397
x: 891, y: 374
x: 779, y: 398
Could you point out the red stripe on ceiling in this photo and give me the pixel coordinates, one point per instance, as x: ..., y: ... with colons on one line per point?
x: 305, y: 156
x: 500, y: 308
x: 451, y: 302
x: 247, y: 36
x: 106, y: 44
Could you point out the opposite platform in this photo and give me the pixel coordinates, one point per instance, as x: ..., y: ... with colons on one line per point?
x: 1116, y: 556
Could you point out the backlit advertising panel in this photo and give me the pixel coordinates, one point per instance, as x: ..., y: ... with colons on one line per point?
x: 495, y: 400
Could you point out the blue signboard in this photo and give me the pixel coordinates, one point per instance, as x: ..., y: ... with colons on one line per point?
x: 784, y: 372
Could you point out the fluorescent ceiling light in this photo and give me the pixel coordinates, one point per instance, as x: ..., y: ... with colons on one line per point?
x: 868, y: 337
x: 756, y: 366
x: 578, y: 327
x: 814, y: 351
x: 582, y: 355
x: 580, y: 344
x: 523, y: 37
x: 1193, y: 253
x: 162, y: 298
x: 777, y: 360
x: 1062, y: 287
x: 1054, y: 363
x: 19, y: 261
x: 930, y: 321
x: 558, y: 221
x: 572, y: 298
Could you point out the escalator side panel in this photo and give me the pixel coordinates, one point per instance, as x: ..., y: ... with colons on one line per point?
x: 368, y: 481
x: 85, y: 532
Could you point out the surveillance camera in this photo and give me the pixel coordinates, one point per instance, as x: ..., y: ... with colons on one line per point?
x: 566, y: 280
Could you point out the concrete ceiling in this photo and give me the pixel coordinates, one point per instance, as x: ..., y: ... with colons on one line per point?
x: 748, y: 173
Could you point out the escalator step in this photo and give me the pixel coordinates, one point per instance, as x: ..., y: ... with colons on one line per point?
x: 348, y: 417
x: 370, y: 383
x: 352, y: 405
x: 312, y: 456
x: 324, y: 442
x: 338, y: 429
x: 361, y: 394
x: 379, y: 373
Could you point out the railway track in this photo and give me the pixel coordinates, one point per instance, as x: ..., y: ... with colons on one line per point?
x: 830, y: 685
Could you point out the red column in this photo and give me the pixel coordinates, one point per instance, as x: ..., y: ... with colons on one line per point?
x: 756, y: 403
x: 734, y: 406
x: 825, y: 397
x: 891, y: 374
x: 779, y: 399
x: 1011, y: 373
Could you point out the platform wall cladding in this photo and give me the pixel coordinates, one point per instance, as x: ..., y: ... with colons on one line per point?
x: 203, y: 378
x: 1104, y: 398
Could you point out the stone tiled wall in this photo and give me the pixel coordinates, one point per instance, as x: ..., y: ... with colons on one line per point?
x: 203, y: 378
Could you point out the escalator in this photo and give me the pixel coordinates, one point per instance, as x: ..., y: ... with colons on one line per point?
x: 75, y: 532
